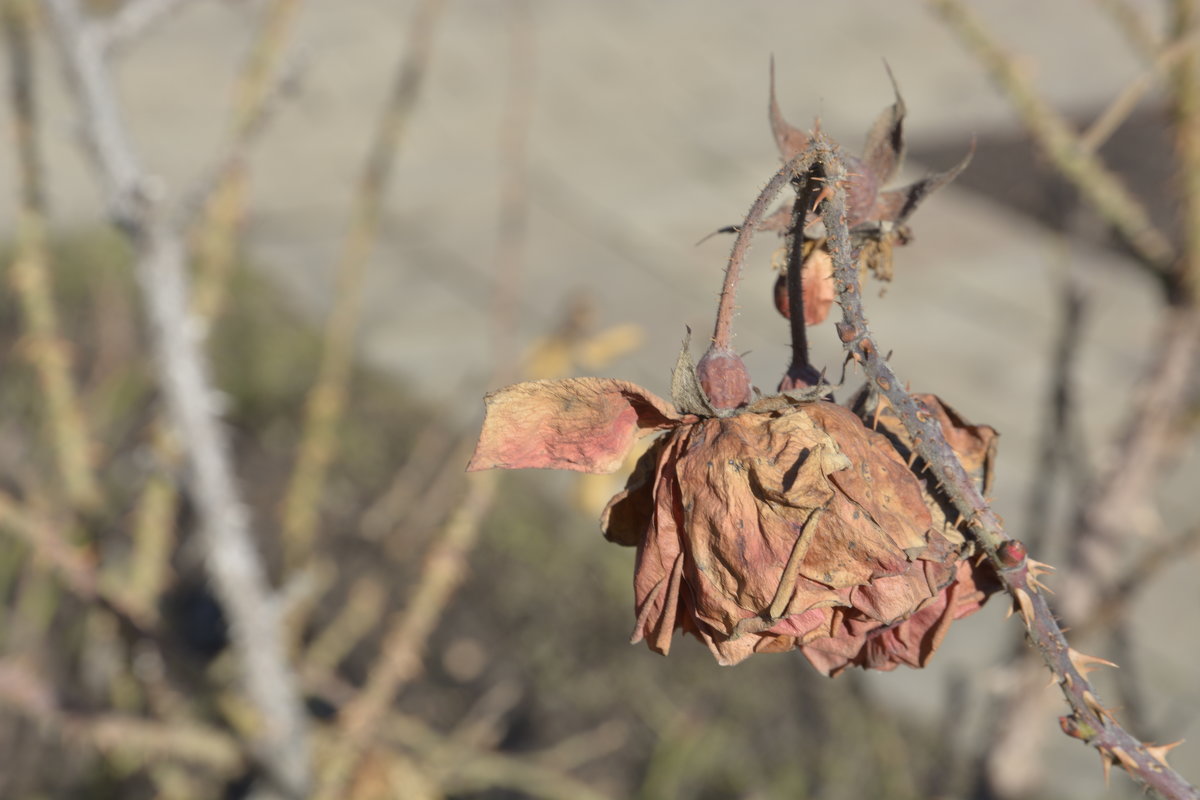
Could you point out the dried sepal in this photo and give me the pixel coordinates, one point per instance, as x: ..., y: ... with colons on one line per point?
x: 790, y: 140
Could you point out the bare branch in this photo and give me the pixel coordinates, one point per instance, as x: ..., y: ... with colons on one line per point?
x: 230, y: 556
x: 327, y: 396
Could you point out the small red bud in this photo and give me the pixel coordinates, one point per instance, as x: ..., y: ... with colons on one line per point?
x: 724, y: 378
x: 1012, y: 554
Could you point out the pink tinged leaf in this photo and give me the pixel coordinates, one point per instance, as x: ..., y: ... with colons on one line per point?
x: 581, y: 424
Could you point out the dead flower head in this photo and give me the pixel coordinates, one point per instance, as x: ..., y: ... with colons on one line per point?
x: 783, y: 525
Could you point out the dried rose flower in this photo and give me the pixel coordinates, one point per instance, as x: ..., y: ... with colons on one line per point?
x: 786, y: 525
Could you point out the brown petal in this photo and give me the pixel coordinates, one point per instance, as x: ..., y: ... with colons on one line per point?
x: 628, y: 514
x: 582, y: 424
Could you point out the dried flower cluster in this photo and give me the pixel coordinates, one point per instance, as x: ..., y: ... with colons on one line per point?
x: 785, y: 523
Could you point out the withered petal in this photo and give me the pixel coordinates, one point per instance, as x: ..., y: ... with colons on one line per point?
x: 581, y: 424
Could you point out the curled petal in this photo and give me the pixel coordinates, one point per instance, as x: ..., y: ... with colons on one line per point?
x: 581, y: 424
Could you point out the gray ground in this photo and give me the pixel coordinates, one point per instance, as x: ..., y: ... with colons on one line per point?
x: 650, y: 131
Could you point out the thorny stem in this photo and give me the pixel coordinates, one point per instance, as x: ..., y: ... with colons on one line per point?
x: 1089, y: 720
x: 722, y: 332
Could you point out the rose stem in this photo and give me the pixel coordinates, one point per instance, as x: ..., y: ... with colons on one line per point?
x: 722, y: 331
x: 801, y: 371
x: 1089, y: 721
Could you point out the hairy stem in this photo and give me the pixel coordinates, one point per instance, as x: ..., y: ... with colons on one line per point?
x: 723, y: 330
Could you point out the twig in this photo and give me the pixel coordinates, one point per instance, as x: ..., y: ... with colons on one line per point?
x: 1129, y: 20
x: 1117, y: 596
x: 1062, y: 146
x: 23, y: 691
x: 1104, y: 516
x: 468, y: 770
x: 75, y: 570
x: 232, y: 562
x: 132, y: 20
x: 327, y: 397
x: 1089, y: 720
x: 30, y: 275
x: 1127, y: 99
x: 1185, y: 110
x: 400, y: 660
x: 255, y: 89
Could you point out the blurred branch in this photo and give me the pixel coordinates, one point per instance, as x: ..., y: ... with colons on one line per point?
x: 73, y: 566
x: 22, y: 690
x: 1129, y: 19
x: 1117, y: 111
x: 462, y: 769
x: 1104, y: 516
x: 1060, y: 144
x: 232, y: 562
x: 1117, y: 597
x: 327, y: 397
x: 225, y: 197
x: 132, y: 20
x: 31, y: 278
x: 400, y: 659
x: 1185, y: 113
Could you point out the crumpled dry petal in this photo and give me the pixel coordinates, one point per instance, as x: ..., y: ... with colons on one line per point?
x: 858, y: 640
x: 581, y: 424
x: 763, y: 524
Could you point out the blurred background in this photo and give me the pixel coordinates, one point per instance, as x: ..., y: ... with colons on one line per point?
x: 388, y: 209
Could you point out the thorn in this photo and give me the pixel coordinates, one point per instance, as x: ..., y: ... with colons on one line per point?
x: 1159, y: 752
x: 1037, y: 568
x: 1008, y: 612
x: 1085, y: 663
x: 1053, y: 677
x: 1126, y: 760
x: 1106, y: 763
x: 1094, y: 706
x: 911, y: 458
x: 1026, y: 605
